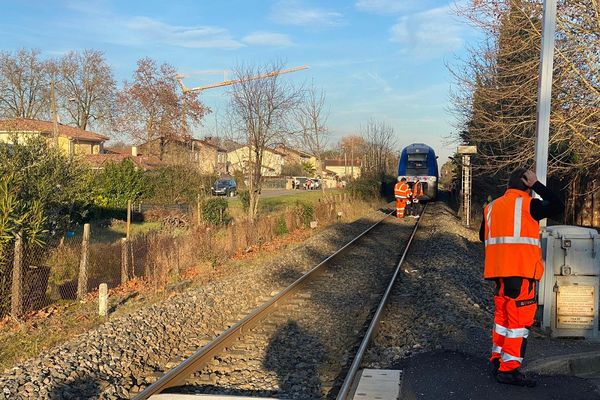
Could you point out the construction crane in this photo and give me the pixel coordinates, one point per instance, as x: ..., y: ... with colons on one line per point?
x: 234, y: 81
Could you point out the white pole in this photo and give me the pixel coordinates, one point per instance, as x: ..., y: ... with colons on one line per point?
x: 542, y: 125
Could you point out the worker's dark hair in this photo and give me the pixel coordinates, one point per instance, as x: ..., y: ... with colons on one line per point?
x: 514, y: 180
x: 403, y: 180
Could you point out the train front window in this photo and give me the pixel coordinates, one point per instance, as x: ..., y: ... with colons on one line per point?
x: 416, y: 165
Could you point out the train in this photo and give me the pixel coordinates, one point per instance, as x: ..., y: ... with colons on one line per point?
x: 418, y: 161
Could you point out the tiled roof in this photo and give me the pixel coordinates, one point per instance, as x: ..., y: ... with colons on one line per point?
x: 301, y: 153
x: 207, y: 143
x: 146, y: 162
x: 46, y: 127
x: 341, y: 163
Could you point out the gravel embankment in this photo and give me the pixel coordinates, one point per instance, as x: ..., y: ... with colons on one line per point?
x: 301, y: 350
x: 119, y: 358
x: 441, y: 301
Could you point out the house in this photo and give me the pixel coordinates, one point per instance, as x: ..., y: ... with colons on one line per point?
x: 294, y: 156
x: 344, y: 168
x: 238, y: 160
x: 212, y: 158
x: 143, y: 162
x: 203, y: 155
x: 73, y: 141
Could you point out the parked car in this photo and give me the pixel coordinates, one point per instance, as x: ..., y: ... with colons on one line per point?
x: 298, y: 181
x: 224, y: 187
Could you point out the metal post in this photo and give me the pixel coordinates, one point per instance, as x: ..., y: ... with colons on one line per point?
x: 542, y: 123
x: 466, y: 187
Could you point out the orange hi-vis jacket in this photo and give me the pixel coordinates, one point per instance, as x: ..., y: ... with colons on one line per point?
x: 512, y: 238
x: 401, y: 190
x: 417, y: 191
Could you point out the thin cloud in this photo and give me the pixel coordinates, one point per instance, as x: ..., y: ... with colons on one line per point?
x: 182, y: 36
x: 385, y: 7
x: 291, y: 12
x: 428, y: 34
x: 267, y: 39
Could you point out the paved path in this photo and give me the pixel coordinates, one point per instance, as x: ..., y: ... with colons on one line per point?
x: 452, y: 375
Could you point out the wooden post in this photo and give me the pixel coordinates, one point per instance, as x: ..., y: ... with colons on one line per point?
x: 124, y: 261
x: 128, y: 218
x: 198, y: 209
x: 16, y: 300
x: 82, y: 281
x: 103, y: 300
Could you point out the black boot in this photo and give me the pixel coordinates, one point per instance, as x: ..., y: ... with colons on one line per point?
x: 495, y: 364
x: 514, y: 377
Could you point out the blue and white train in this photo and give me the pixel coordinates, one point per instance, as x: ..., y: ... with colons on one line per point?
x: 418, y: 161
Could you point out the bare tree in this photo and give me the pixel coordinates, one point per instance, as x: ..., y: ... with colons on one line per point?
x: 24, y: 85
x: 261, y: 112
x: 379, y: 157
x: 311, y: 117
x: 86, y: 87
x: 495, y: 101
x: 352, y: 147
x: 153, y: 107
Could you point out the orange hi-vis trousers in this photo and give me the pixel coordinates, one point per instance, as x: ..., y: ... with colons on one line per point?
x: 515, y: 305
x: 400, y: 207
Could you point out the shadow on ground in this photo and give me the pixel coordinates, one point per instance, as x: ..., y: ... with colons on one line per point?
x: 453, y: 375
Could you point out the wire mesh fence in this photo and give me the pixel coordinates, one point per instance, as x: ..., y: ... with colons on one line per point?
x: 33, y: 276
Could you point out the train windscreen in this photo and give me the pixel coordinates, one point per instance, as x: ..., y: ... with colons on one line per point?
x: 417, y: 165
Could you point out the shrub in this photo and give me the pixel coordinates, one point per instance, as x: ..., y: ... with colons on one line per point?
x: 364, y: 188
x: 118, y: 183
x: 245, y: 199
x: 178, y: 184
x: 307, y: 212
x: 281, y: 227
x: 215, y: 213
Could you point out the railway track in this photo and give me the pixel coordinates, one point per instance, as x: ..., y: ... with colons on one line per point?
x: 307, y: 341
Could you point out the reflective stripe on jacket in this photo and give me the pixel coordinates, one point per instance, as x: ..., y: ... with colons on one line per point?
x: 512, y: 238
x: 401, y: 190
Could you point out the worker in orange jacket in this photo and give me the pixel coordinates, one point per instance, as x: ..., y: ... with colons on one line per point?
x: 417, y: 194
x: 513, y: 259
x: 402, y: 193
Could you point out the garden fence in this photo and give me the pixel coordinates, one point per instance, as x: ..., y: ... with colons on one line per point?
x: 33, y: 276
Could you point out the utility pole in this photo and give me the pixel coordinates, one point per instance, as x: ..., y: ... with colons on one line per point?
x: 54, y: 113
x: 542, y: 122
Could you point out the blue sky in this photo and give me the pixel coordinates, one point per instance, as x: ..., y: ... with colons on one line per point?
x: 381, y: 59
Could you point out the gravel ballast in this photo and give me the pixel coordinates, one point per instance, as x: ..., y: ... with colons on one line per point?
x: 125, y: 354
x: 440, y: 300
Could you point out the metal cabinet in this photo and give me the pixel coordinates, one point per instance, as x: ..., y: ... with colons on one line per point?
x: 569, y: 289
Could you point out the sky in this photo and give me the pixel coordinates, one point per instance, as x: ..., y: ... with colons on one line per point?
x: 385, y: 60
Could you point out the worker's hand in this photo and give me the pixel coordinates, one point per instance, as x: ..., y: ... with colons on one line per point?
x: 529, y: 178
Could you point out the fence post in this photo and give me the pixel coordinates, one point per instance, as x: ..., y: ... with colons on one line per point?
x: 103, y: 300
x: 128, y: 218
x: 124, y: 261
x: 198, y: 209
x: 82, y: 281
x: 16, y: 300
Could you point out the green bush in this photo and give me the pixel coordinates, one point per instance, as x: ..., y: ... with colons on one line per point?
x: 245, y: 199
x: 178, y: 184
x: 117, y: 183
x: 281, y: 227
x: 364, y: 188
x: 215, y: 213
x: 307, y: 211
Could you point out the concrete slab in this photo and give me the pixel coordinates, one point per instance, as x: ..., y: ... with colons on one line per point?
x: 378, y: 384
x: 452, y: 375
x: 175, y: 396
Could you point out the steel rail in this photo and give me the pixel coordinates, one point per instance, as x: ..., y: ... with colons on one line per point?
x: 351, y: 375
x: 178, y: 375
